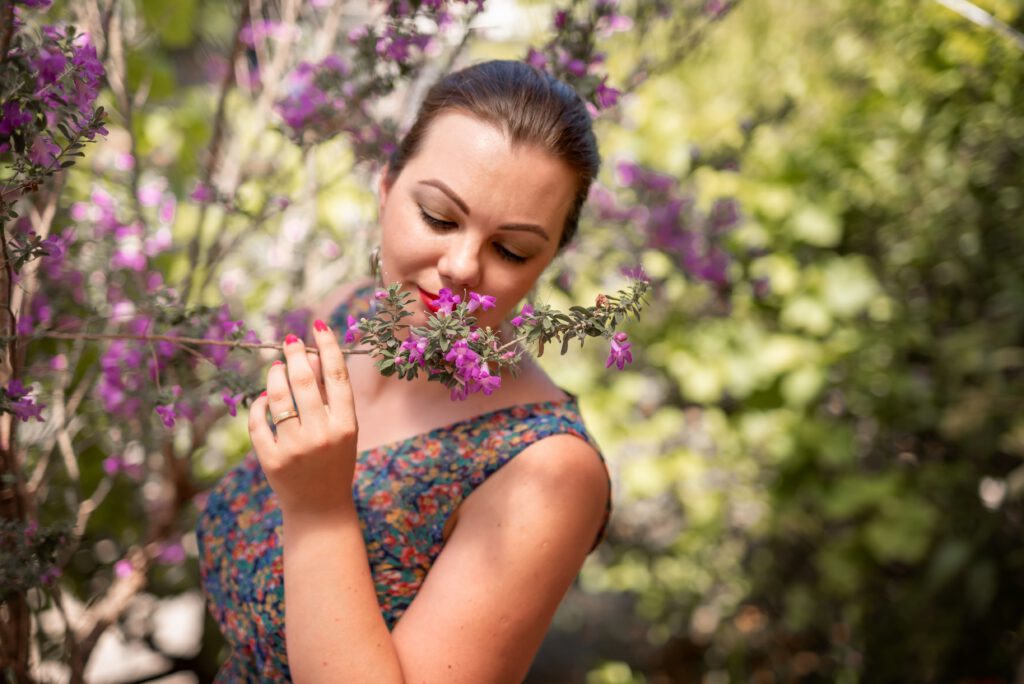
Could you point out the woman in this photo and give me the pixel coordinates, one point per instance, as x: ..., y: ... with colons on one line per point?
x: 429, y: 540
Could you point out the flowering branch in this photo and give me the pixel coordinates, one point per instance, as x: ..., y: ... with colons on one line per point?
x: 453, y: 350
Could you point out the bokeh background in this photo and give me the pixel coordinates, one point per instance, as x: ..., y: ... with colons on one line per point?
x: 818, y: 452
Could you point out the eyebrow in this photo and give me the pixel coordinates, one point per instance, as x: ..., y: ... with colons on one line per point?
x: 524, y: 227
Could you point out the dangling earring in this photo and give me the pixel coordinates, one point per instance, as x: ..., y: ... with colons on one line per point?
x: 375, y: 269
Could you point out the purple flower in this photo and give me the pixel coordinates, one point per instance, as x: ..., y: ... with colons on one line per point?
x: 13, y: 117
x: 486, y: 382
x: 172, y: 553
x: 461, y: 355
x: 417, y: 347
x: 167, y: 414
x: 629, y: 173
x: 43, y: 151
x: 479, y: 301
x: 576, y: 67
x: 606, y: 96
x: 20, y: 404
x: 615, y: 23
x: 35, y: 4
x: 536, y: 59
x: 561, y: 19
x: 523, y: 316
x: 446, y: 301
x: 380, y: 294
x: 724, y: 215
x: 150, y: 194
x: 232, y: 401
x: 358, y: 33
x: 112, y: 465
x: 714, y: 8
x: 636, y: 273
x: 202, y: 193
x: 351, y: 330
x: 49, y: 66
x: 123, y: 568
x: 619, y: 353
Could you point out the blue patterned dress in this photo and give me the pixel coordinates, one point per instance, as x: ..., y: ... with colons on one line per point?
x: 404, y: 494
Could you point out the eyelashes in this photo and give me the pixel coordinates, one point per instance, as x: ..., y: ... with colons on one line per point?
x: 444, y: 226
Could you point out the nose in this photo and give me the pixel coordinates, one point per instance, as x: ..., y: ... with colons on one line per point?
x: 459, y: 266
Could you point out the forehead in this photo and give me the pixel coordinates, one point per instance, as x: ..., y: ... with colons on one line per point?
x: 477, y: 159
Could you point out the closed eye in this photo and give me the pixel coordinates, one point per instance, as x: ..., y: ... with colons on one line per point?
x: 435, y: 222
x: 442, y: 225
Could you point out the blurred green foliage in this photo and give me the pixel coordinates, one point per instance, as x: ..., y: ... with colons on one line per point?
x: 822, y: 484
x: 826, y: 484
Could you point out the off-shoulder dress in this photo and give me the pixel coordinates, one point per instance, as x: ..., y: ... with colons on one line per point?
x: 404, y: 494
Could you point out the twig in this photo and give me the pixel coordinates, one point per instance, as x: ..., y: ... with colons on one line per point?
x: 117, y: 77
x: 215, y: 146
x: 973, y: 13
x: 173, y: 339
x: 8, y: 28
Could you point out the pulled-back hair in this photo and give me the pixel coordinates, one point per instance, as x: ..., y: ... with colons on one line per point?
x: 530, y: 106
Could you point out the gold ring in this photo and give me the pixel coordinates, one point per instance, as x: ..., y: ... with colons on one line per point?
x: 285, y: 415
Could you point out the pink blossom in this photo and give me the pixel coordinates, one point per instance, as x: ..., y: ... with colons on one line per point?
x: 172, y: 553
x: 416, y: 348
x: 479, y: 301
x: 167, y: 414
x: 112, y: 465
x: 232, y: 401
x: 123, y: 568
x: 446, y: 301
x: 351, y: 330
x: 523, y: 316
x: 619, y: 353
x: 536, y: 59
x: 606, y: 96
x: 43, y: 151
x: 202, y: 193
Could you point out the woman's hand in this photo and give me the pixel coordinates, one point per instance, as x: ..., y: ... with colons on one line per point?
x: 310, y: 461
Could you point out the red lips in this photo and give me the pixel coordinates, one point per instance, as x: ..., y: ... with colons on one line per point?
x: 428, y: 299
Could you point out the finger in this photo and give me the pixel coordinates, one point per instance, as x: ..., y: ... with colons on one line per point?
x: 259, y: 431
x: 303, y: 383
x: 279, y: 400
x: 335, y: 373
x: 314, y: 363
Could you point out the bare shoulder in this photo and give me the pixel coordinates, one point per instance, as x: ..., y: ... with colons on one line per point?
x: 323, y: 309
x: 521, y: 540
x: 558, y: 482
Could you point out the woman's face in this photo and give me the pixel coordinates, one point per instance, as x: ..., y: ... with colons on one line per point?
x: 472, y: 213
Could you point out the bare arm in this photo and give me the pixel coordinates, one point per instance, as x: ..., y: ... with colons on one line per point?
x: 485, y: 605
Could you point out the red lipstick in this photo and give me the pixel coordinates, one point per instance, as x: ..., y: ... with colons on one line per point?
x: 428, y: 299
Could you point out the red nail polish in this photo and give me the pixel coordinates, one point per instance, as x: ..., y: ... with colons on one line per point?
x: 263, y: 394
x: 319, y: 325
x: 291, y: 339
x: 277, y: 363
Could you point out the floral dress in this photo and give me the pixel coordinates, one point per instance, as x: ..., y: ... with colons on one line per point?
x: 404, y: 493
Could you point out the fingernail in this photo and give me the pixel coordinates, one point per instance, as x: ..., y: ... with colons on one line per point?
x: 263, y: 394
x: 319, y: 325
x: 291, y: 339
x: 277, y: 363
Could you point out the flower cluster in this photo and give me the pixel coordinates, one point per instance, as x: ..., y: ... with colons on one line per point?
x: 14, y: 399
x: 336, y: 94
x: 49, y: 84
x: 466, y: 358
x: 30, y: 554
x: 571, y: 55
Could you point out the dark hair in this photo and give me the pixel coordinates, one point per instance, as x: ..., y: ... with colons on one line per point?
x: 528, y: 105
